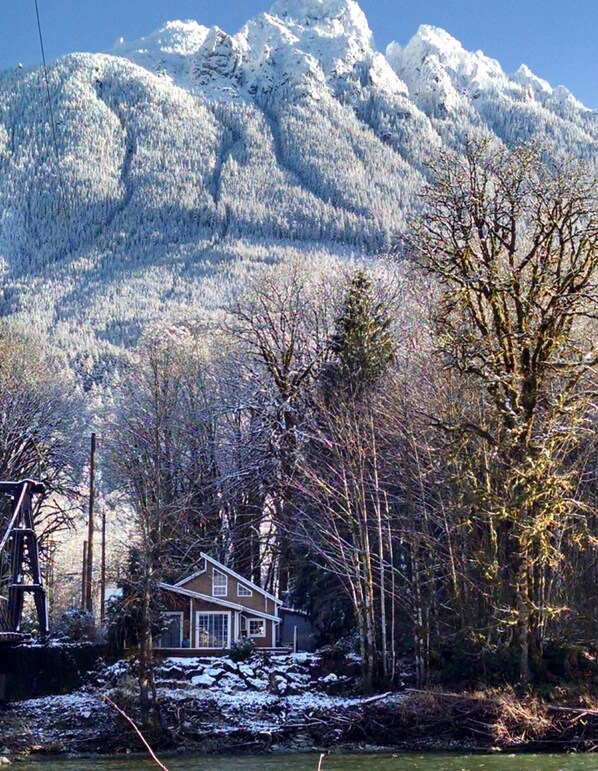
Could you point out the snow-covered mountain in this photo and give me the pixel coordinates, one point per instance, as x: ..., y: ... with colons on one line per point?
x: 189, y: 156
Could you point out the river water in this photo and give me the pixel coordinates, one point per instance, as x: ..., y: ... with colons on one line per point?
x: 374, y: 762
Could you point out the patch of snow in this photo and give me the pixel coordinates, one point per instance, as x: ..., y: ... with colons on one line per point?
x: 204, y: 680
x: 167, y: 51
x: 175, y: 38
x: 320, y: 701
x: 247, y: 670
x: 258, y: 684
x: 332, y: 18
x: 331, y: 678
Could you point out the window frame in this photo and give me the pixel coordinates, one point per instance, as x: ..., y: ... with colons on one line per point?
x: 245, y: 588
x: 216, y: 572
x: 227, y: 642
x: 261, y: 621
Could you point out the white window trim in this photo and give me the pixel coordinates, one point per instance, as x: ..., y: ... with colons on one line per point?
x: 220, y: 573
x: 175, y: 613
x: 246, y: 588
x: 262, y: 621
x: 212, y: 613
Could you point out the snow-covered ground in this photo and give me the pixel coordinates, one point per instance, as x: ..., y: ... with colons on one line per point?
x: 207, y: 704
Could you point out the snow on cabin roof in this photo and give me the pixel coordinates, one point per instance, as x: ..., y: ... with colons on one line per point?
x: 230, y: 572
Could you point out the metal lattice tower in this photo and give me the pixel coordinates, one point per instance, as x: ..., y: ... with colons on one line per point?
x: 20, y: 544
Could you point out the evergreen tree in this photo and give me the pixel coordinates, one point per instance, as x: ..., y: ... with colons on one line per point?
x: 362, y: 345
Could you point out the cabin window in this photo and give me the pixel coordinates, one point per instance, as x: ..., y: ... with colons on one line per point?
x: 244, y: 591
x: 219, y: 584
x: 172, y: 634
x: 213, y: 630
x: 256, y: 627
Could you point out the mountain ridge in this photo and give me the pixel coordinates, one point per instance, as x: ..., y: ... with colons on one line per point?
x: 190, y: 156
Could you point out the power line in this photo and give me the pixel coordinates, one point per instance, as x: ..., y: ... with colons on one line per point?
x: 63, y: 195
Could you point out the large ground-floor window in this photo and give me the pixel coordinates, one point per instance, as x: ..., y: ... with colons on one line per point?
x: 213, y: 629
x: 172, y: 634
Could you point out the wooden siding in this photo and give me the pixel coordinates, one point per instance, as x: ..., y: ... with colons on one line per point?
x: 203, y: 585
x: 190, y: 606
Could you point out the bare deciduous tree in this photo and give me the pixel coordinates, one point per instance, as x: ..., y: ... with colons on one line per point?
x: 282, y: 326
x: 163, y: 457
x: 41, y: 422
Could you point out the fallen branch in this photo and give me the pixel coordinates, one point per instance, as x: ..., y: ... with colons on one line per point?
x: 378, y: 698
x: 581, y: 711
x: 141, y: 736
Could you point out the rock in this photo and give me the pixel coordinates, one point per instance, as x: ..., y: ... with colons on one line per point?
x: 334, y: 685
x: 164, y: 682
x: 297, y: 669
x: 246, y: 670
x: 278, y: 684
x: 232, y: 682
x: 331, y: 678
x: 257, y: 683
x: 229, y: 666
x: 203, y: 681
x: 190, y: 673
x: 298, y: 678
x: 216, y: 672
x: 175, y: 673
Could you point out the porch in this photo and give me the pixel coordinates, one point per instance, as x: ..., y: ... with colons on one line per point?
x: 201, y: 653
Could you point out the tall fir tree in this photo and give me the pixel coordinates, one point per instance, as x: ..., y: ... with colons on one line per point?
x: 362, y: 346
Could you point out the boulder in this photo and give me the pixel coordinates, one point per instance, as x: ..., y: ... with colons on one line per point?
x: 203, y: 681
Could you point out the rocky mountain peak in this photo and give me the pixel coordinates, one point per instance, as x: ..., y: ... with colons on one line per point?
x: 331, y: 18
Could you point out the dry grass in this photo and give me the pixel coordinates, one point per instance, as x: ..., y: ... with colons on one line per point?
x: 520, y: 720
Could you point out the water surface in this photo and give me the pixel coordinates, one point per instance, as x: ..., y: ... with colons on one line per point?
x: 366, y: 762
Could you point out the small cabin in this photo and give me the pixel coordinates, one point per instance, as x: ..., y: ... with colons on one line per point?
x: 212, y: 608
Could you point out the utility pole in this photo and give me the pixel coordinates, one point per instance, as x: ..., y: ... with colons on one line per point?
x: 88, y: 582
x: 84, y: 575
x: 103, y: 570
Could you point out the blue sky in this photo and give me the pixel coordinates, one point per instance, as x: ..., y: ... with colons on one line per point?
x: 557, y: 39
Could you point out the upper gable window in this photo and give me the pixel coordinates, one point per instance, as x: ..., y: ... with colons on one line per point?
x: 243, y: 591
x: 219, y: 584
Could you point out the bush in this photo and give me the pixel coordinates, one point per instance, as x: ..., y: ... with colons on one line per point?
x: 242, y: 650
x: 335, y: 651
x: 468, y: 663
x: 77, y: 625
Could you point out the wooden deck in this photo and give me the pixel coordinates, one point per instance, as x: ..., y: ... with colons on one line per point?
x: 188, y: 653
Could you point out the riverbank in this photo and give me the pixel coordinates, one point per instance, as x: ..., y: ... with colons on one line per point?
x: 295, y: 703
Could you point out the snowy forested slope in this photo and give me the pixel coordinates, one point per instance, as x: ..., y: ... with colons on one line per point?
x: 188, y: 156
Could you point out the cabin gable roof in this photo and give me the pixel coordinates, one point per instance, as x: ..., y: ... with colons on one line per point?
x: 244, y: 581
